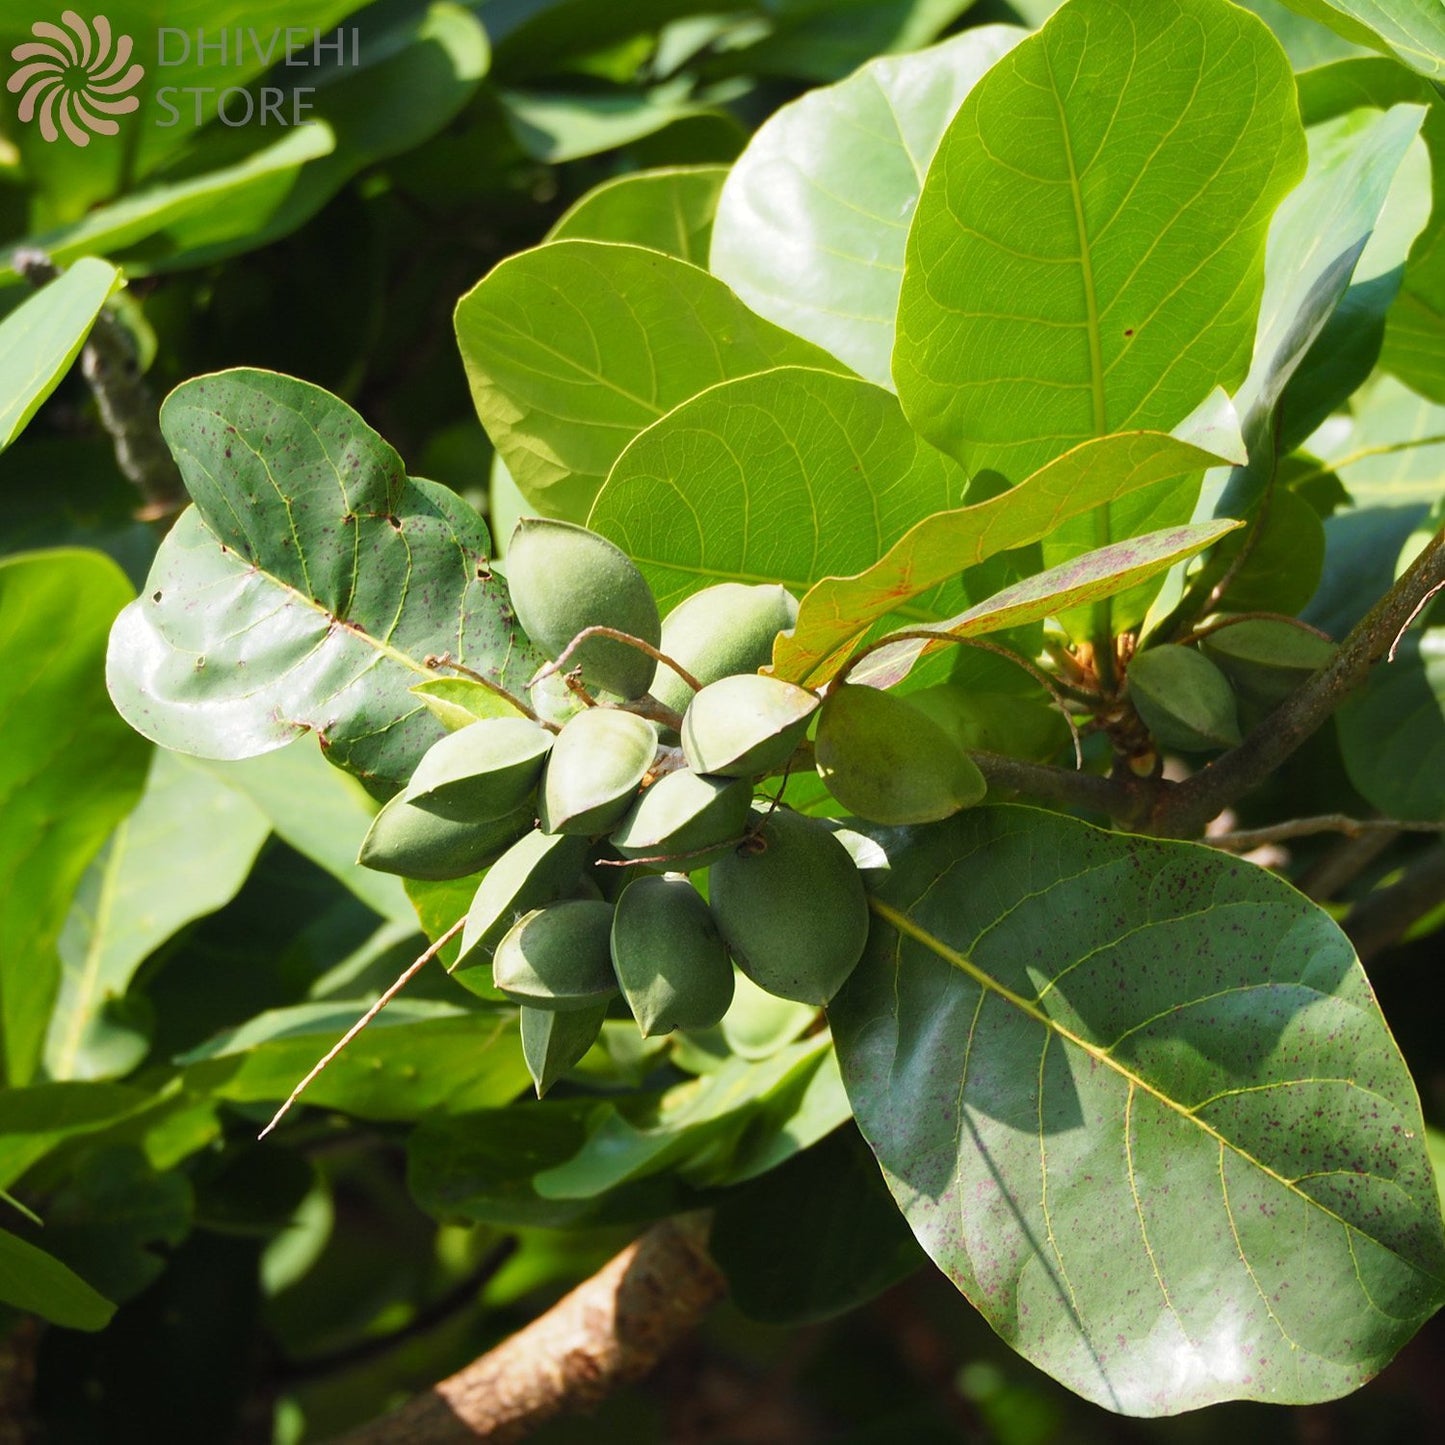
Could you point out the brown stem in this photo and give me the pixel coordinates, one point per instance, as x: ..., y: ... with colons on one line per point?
x: 1184, y: 810
x: 609, y: 1332
x: 1238, y: 617
x: 472, y: 675
x: 1243, y: 839
x: 1121, y: 796
x: 617, y: 636
x: 1385, y: 916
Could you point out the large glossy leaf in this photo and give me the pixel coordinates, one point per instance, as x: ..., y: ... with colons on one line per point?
x: 1093, y: 577
x: 1137, y: 1100
x: 183, y: 852
x: 306, y: 588
x: 1415, y: 327
x: 573, y: 348
x: 38, y: 1283
x: 669, y: 210
x: 1411, y: 31
x: 836, y: 611
x: 43, y: 335
x: 813, y: 220
x: 70, y: 770
x: 412, y: 1058
x: 787, y: 476
x: 1086, y: 254
x: 1317, y: 244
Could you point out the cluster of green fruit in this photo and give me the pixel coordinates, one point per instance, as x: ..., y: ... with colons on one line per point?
x: 590, y: 824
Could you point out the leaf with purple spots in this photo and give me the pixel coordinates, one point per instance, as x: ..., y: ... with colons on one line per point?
x: 1136, y: 1098
x: 306, y: 588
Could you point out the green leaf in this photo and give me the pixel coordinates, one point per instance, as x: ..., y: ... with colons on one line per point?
x: 481, y: 1166
x: 1307, y: 43
x: 822, y: 42
x: 110, y: 1210
x: 36, y: 1282
x: 1090, y: 578
x: 573, y: 348
x: 1410, y: 31
x: 306, y: 587
x: 413, y: 1057
x: 819, y: 1236
x: 835, y: 612
x: 1318, y: 244
x: 73, y: 180
x: 1137, y: 1100
x: 321, y: 813
x: 558, y: 126
x: 1394, y: 456
x: 43, y: 335
x: 70, y: 770
x: 787, y: 476
x: 1086, y: 254
x: 1392, y: 732
x: 1416, y: 323
x: 34, y: 1119
x: 182, y: 853
x: 669, y: 210
x: 813, y: 220
x: 680, y: 1127
x: 175, y: 216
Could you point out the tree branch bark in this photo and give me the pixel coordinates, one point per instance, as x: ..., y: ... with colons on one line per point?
x: 1183, y: 810
x: 610, y: 1331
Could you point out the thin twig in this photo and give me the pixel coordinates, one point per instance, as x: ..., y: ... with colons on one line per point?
x: 1420, y: 606
x: 406, y: 977
x: 1238, y: 617
x: 617, y: 636
x: 924, y: 634
x: 1121, y: 796
x: 1243, y: 839
x: 442, y: 660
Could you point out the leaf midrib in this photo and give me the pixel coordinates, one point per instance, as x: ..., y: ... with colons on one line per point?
x: 903, y: 924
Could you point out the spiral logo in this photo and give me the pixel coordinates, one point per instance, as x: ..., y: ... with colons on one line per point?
x: 74, y: 77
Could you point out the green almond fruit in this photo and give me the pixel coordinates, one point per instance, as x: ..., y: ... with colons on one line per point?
x: 481, y: 771
x: 791, y: 908
x: 552, y: 1042
x: 684, y: 816
x: 886, y: 761
x: 536, y: 869
x: 741, y: 727
x: 1185, y: 701
x: 412, y: 841
x: 558, y: 957
x: 669, y: 957
x: 719, y: 632
x: 564, y: 578
x: 1267, y: 659
x: 594, y: 770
